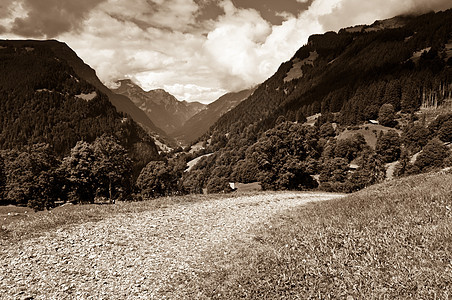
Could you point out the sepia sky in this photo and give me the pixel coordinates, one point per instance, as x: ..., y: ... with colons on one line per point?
x: 195, y: 49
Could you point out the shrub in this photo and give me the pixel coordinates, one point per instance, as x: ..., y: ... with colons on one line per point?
x: 218, y: 185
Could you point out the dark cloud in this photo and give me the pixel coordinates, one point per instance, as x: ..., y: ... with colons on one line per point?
x: 270, y: 9
x: 421, y: 6
x: 209, y: 10
x: 48, y: 18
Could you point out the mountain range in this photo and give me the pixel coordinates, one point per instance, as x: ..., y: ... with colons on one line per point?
x: 386, y: 71
x: 161, y: 107
x: 48, y: 95
x: 200, y: 123
x: 397, y: 72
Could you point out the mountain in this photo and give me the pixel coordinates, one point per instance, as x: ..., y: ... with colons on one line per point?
x: 48, y: 95
x: 309, y: 125
x: 121, y: 102
x: 161, y: 107
x: 200, y: 123
x: 405, y: 61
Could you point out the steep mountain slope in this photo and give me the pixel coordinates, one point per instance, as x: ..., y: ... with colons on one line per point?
x: 43, y: 100
x: 200, y: 123
x: 386, y: 71
x: 405, y: 61
x: 122, y: 103
x: 161, y: 107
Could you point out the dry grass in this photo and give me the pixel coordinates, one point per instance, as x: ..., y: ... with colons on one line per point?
x: 390, y: 241
x: 20, y: 225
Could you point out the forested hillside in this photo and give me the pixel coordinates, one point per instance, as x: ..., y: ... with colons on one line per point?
x: 366, y: 91
x: 47, y: 112
x: 121, y: 102
x: 354, y: 73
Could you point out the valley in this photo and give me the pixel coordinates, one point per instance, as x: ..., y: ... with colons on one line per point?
x: 329, y: 179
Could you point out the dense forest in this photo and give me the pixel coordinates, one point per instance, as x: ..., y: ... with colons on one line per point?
x: 46, y: 110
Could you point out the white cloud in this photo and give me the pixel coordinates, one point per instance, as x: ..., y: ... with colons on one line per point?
x: 159, y: 44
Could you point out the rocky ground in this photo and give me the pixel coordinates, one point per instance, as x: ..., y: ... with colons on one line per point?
x: 140, y: 256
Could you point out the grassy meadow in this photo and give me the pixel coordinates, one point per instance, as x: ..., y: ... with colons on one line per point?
x: 22, y: 222
x: 390, y: 241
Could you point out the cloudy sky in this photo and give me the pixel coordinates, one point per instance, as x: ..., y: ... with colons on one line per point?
x: 195, y: 49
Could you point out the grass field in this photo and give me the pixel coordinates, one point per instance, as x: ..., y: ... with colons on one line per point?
x: 16, y: 222
x: 390, y: 241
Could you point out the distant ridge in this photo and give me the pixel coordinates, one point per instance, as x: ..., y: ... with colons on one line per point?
x: 161, y: 107
x: 43, y: 99
x: 200, y: 123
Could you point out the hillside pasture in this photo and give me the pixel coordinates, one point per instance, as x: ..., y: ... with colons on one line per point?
x: 389, y: 241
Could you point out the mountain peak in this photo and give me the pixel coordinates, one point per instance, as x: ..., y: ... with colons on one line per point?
x: 160, y: 106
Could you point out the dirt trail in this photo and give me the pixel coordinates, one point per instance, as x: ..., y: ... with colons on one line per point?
x: 134, y: 256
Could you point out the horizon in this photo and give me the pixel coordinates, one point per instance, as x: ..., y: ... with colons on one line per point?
x: 196, y: 50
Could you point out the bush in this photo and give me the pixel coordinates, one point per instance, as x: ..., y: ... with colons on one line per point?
x: 218, y: 185
x: 386, y: 115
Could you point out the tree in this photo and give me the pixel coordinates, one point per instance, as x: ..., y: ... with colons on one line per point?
x: 388, y: 146
x: 415, y: 137
x: 371, y: 112
x: 432, y: 156
x: 300, y: 116
x: 158, y: 179
x: 351, y: 147
x: 112, y: 168
x: 78, y: 171
x: 334, y: 170
x: 410, y: 99
x: 327, y: 130
x: 386, y: 115
x: 393, y: 94
x: 403, y: 165
x: 218, y: 185
x: 445, y: 132
x: 370, y: 171
x: 280, y: 156
x: 194, y: 180
x: 30, y: 177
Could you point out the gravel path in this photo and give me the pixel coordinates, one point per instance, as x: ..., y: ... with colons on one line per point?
x: 134, y: 256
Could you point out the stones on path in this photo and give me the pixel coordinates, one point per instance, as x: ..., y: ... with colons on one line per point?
x: 135, y: 256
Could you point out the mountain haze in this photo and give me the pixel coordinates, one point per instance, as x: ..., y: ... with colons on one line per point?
x: 200, y: 123
x: 161, y: 107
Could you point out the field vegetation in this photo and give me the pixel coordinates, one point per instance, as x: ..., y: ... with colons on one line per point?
x: 392, y: 240
x: 16, y: 222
